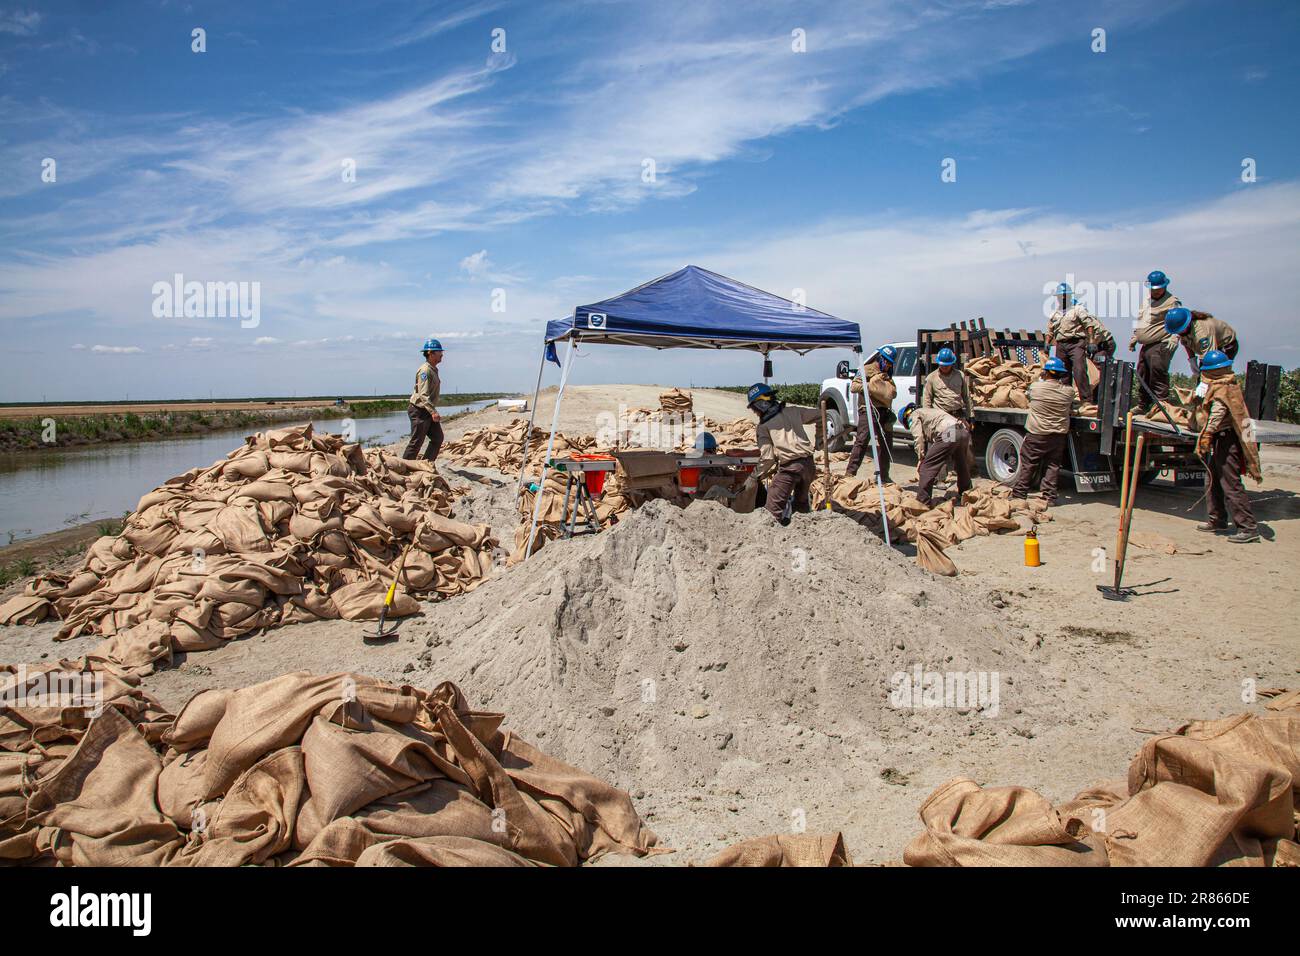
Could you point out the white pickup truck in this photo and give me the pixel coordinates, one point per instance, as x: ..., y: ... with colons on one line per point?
x: 1096, y: 442
x: 842, y: 409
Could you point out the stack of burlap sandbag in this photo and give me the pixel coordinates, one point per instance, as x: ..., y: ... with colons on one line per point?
x: 290, y: 527
x: 1211, y: 793
x: 499, y: 447
x: 676, y: 402
x: 740, y: 433
x: 996, y: 382
x: 301, y: 770
x: 986, y: 509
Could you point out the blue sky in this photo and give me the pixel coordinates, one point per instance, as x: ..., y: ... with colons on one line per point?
x: 521, y: 171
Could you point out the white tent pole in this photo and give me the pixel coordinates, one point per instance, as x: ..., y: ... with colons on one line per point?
x: 875, y: 447
x: 550, y: 445
x: 532, y: 415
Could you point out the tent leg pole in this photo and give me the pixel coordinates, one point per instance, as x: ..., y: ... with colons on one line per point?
x: 532, y: 416
x: 875, y: 447
x: 550, y: 445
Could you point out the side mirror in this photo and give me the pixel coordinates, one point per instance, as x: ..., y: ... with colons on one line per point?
x: 842, y: 369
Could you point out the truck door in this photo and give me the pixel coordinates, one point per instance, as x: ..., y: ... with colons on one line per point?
x: 905, y: 382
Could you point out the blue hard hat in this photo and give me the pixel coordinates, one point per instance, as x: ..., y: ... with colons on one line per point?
x: 1157, y: 279
x: 905, y: 416
x: 888, y: 353
x: 759, y: 390
x: 1215, y: 359
x: 705, y: 442
x: 1177, y: 320
x: 431, y: 345
x: 1054, y: 364
x: 1064, y: 289
x: 946, y: 357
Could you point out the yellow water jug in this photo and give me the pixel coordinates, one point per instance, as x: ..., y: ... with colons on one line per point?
x: 1031, y: 549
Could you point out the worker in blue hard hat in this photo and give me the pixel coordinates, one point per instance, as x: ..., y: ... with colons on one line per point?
x: 882, y: 391
x: 423, y: 408
x: 717, y: 481
x: 785, y: 450
x: 940, y: 440
x: 946, y: 388
x: 1227, y: 444
x: 1200, y: 333
x: 1051, y: 402
x: 1158, y: 346
x: 1071, y: 328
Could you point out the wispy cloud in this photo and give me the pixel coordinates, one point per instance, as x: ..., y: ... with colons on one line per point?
x: 21, y: 23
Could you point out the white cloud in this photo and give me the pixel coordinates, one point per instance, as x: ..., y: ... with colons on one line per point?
x: 475, y: 264
x: 19, y: 22
x: 117, y: 350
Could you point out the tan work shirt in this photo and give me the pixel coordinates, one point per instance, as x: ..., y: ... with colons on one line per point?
x: 1205, y: 334
x: 783, y: 439
x: 880, y: 386
x: 1074, y: 323
x: 950, y: 392
x: 1050, y: 404
x: 427, y: 388
x: 1101, y: 337
x: 1150, y: 326
x: 930, y: 425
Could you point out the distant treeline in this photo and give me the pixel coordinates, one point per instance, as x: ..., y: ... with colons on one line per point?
x: 451, y: 398
x: 18, y: 434
x: 799, y: 393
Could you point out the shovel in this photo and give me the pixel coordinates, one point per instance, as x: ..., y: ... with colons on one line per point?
x: 382, y: 630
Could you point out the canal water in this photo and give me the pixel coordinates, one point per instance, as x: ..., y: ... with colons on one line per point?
x: 44, y: 491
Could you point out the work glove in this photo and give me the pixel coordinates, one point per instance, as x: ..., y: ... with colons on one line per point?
x: 750, y: 483
x: 1203, y: 444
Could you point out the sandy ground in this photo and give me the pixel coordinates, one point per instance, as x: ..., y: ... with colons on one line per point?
x: 1095, y: 675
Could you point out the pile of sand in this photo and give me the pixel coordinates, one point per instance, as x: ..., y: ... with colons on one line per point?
x: 696, y: 655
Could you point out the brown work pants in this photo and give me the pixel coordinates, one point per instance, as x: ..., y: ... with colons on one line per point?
x: 943, y: 454
x: 793, y: 479
x: 1040, y: 453
x: 862, y: 442
x: 423, y: 426
x: 1074, y: 353
x: 1153, y: 372
x: 1225, y: 493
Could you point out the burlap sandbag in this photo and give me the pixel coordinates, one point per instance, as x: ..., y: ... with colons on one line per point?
x: 1215, y: 793
x: 806, y: 850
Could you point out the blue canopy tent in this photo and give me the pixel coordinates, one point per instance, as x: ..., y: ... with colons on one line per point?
x: 696, y: 308
x: 690, y: 308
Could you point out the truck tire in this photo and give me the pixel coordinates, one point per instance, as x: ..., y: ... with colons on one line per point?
x: 835, y: 428
x: 1002, y: 455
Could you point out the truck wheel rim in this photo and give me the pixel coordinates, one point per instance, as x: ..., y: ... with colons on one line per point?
x: 1005, y: 459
